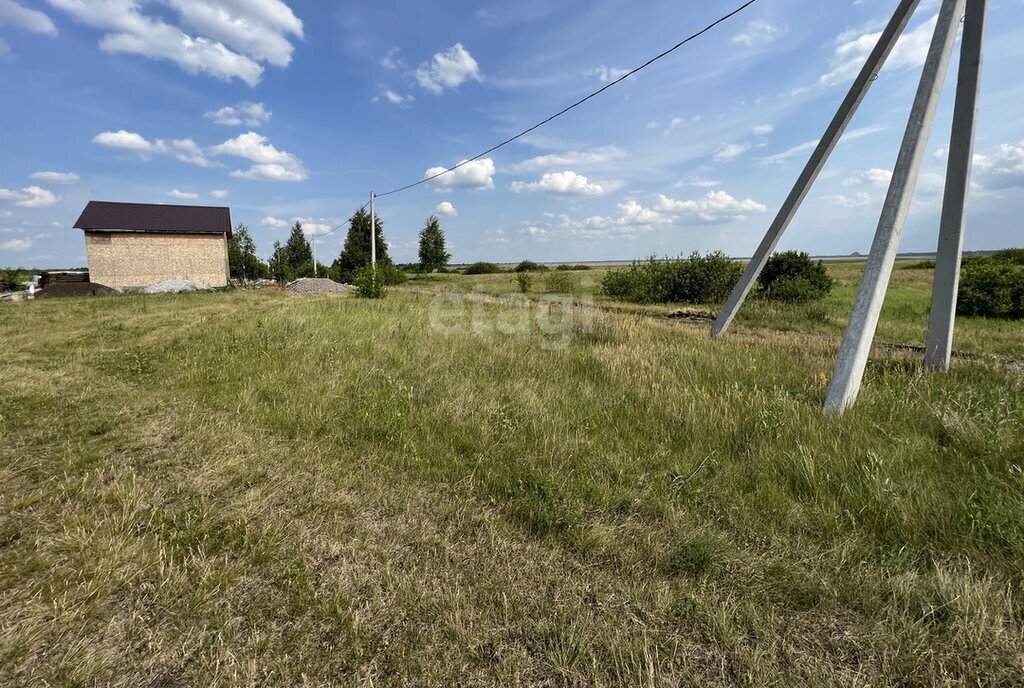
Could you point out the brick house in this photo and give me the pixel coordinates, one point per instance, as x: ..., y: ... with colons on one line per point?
x: 131, y: 245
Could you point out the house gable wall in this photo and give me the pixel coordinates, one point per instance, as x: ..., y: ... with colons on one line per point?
x: 136, y: 259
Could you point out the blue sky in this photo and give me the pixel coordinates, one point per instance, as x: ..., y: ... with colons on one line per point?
x: 286, y: 109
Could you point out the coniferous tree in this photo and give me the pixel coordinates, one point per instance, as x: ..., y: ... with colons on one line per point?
x: 356, y: 251
x: 243, y: 262
x: 298, y: 252
x: 433, y: 255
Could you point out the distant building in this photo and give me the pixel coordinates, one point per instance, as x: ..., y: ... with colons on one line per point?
x: 130, y: 245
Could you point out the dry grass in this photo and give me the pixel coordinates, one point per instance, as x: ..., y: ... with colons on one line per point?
x: 257, y: 489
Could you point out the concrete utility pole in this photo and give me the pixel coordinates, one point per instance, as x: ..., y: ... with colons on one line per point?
x: 867, y: 76
x: 939, y: 345
x: 860, y: 333
x: 313, y: 244
x: 373, y: 231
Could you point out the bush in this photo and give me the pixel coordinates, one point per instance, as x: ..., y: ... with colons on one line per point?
x: 561, y: 283
x: 793, y: 276
x: 920, y: 265
x: 483, y: 268
x: 391, y: 275
x: 1012, y: 256
x: 524, y: 281
x: 697, y: 279
x: 991, y: 288
x: 10, y: 279
x: 369, y: 283
x: 530, y: 266
x: 563, y: 266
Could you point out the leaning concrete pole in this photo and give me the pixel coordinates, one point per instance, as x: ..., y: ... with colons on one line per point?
x: 939, y: 344
x: 821, y: 154
x: 860, y: 333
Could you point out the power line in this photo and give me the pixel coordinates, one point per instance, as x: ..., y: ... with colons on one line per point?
x: 342, y: 224
x: 596, y: 93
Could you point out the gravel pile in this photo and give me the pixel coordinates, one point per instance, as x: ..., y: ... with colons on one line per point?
x: 174, y: 286
x: 310, y: 285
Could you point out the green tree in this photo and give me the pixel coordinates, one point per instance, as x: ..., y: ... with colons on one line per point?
x: 278, y: 263
x: 356, y: 251
x: 433, y: 255
x: 243, y: 261
x: 294, y: 259
x: 297, y: 251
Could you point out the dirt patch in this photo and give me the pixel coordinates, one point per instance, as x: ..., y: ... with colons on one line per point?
x: 75, y: 289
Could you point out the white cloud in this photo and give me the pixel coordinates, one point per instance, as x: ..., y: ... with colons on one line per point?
x: 807, y: 146
x: 1008, y: 158
x: 219, y: 193
x: 566, y: 183
x: 247, y: 113
x: 697, y: 180
x: 730, y: 151
x: 395, y: 98
x: 270, y: 162
x: 715, y: 207
x: 274, y: 222
x: 16, y: 245
x: 448, y: 69
x: 313, y: 227
x: 631, y: 218
x: 594, y: 157
x: 227, y: 39
x: 1003, y: 167
x: 678, y: 122
x: 852, y: 52
x: 609, y: 74
x: 475, y: 175
x: 874, y: 177
x: 790, y: 153
x: 764, y: 129
x: 391, y: 60
x: 854, y: 134
x: 15, y: 14
x: 29, y: 197
x: 537, y: 233
x: 183, y: 195
x: 858, y: 200
x: 758, y: 32
x: 55, y: 177
x: 446, y: 208
x: 127, y: 140
x: 185, y: 150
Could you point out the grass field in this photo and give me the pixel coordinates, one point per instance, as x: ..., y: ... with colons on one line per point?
x: 263, y: 489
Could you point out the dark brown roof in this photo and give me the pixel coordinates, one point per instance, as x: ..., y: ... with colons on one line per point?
x: 155, y: 217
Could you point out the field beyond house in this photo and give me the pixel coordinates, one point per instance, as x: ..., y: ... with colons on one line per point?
x: 446, y: 487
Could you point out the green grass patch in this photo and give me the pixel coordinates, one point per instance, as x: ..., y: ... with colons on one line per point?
x: 242, y: 488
